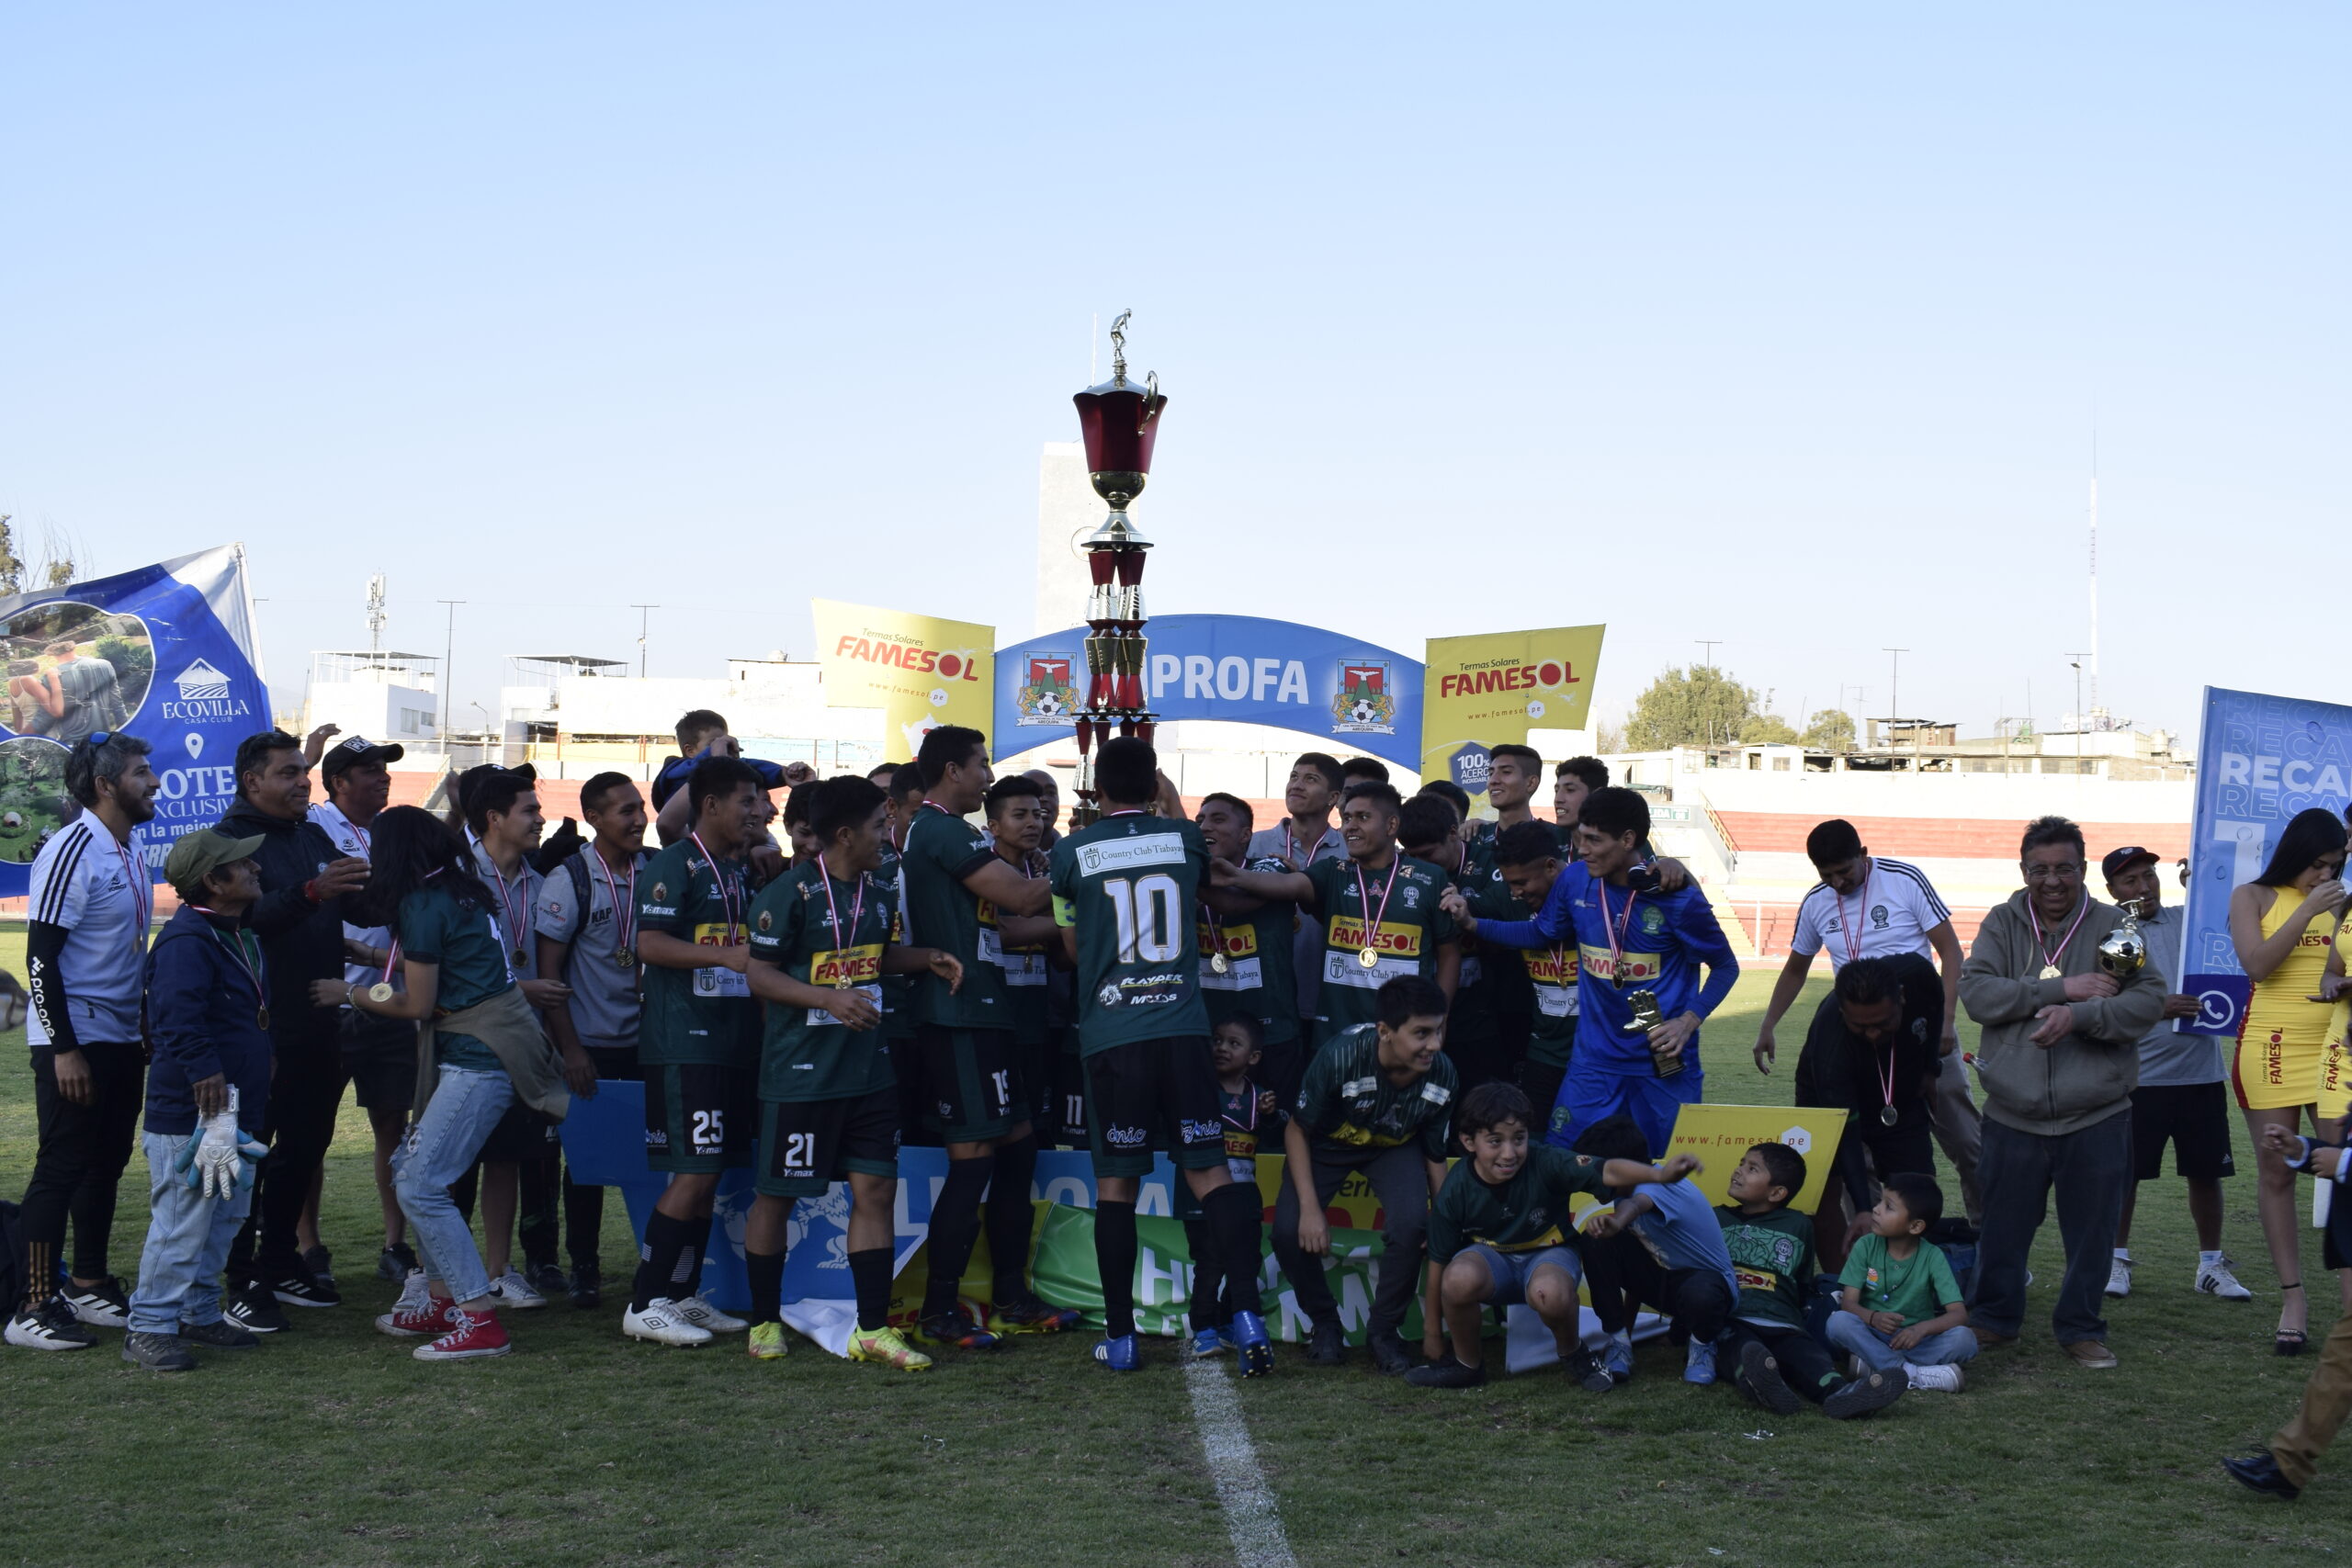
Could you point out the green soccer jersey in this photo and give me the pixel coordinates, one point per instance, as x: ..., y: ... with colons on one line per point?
x: 1392, y: 914
x: 897, y: 990
x: 1548, y: 973
x: 1350, y: 1110
x: 1022, y: 968
x: 1772, y: 1257
x: 940, y: 912
x: 696, y: 1016
x: 1130, y: 884
x: 1260, y: 978
x: 1471, y: 1020
x: 1527, y: 1213
x: 827, y: 933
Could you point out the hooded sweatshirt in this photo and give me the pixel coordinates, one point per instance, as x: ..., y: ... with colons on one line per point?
x: 2089, y: 1075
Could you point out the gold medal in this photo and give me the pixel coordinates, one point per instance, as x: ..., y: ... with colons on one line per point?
x: 1218, y: 963
x: 624, y: 958
x: 2049, y: 972
x: 381, y: 991
x: 1369, y: 959
x: 261, y: 1016
x: 519, y: 960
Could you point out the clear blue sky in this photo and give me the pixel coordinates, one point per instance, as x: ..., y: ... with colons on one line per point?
x: 1783, y: 326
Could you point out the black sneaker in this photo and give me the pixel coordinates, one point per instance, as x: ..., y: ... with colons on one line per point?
x: 321, y: 1263
x: 255, y: 1310
x: 1757, y: 1376
x: 48, y: 1326
x: 102, y: 1305
x: 157, y: 1352
x: 1447, y: 1373
x: 303, y: 1289
x: 220, y: 1334
x: 1388, y: 1352
x: 548, y: 1278
x: 394, y: 1262
x: 1584, y: 1371
x: 1325, y: 1346
x: 587, y: 1286
x: 956, y: 1327
x: 1872, y: 1391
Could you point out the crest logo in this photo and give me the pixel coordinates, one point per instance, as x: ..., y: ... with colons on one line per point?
x: 1046, y: 695
x: 201, y: 682
x: 1364, y: 705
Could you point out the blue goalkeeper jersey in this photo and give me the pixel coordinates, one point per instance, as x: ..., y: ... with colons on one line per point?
x: 1665, y: 939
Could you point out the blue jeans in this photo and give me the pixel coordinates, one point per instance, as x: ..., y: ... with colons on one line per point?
x: 1508, y: 1273
x: 1850, y: 1334
x: 188, y: 1237
x: 439, y: 1149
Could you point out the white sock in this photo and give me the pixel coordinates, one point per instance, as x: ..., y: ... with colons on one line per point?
x: 2123, y: 1255
x: 2207, y: 1258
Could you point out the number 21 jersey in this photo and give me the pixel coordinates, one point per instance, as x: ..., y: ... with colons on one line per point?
x: 1130, y: 886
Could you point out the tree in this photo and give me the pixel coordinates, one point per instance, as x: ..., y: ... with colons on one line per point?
x: 1766, y: 730
x: 60, y: 572
x: 1694, y: 706
x: 1831, y: 729
x: 12, y: 570
x: 1609, y: 740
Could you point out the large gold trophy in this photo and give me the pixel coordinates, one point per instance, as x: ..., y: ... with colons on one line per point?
x: 1120, y: 421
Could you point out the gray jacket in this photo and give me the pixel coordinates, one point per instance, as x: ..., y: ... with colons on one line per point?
x: 2089, y: 1075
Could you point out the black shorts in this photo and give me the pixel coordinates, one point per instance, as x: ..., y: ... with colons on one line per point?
x: 379, y: 1053
x: 973, y: 1078
x: 615, y: 1064
x: 1148, y: 1087
x: 2195, y: 1117
x: 807, y: 1144
x: 700, y: 1117
x: 1068, y: 1117
x: 520, y: 1136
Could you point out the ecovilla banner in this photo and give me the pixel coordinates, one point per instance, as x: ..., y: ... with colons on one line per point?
x: 1482, y: 692
x: 164, y: 652
x: 921, y: 671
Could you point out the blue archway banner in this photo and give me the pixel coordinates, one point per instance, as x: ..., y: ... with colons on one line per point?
x: 1355, y: 696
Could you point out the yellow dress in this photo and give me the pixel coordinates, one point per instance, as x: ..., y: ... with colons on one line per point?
x: 2283, y: 1058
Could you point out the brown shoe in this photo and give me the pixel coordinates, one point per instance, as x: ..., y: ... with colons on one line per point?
x: 2092, y: 1353
x: 1989, y: 1341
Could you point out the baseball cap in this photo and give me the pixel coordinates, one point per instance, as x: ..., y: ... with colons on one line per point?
x: 354, y: 750
x: 2118, y: 862
x: 206, y: 850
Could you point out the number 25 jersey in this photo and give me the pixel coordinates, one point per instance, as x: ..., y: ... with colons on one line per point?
x: 1130, y: 884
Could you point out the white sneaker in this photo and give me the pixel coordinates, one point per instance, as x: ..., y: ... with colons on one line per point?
x: 102, y: 1305
x: 50, y: 1327
x: 2118, y: 1277
x: 662, y: 1323
x: 1941, y: 1380
x: 2215, y: 1279
x: 514, y: 1291
x: 698, y: 1311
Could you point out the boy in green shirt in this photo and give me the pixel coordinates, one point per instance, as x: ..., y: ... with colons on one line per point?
x: 1895, y: 1281
x: 1499, y: 1228
x: 1775, y: 1361
x: 822, y: 941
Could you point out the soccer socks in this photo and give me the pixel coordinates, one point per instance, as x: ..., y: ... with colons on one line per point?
x: 1115, y: 1259
x: 664, y: 1237
x: 687, y: 1275
x: 1232, y: 1211
x: 1011, y: 1218
x: 869, y: 1274
x: 954, y: 1226
x: 766, y: 1271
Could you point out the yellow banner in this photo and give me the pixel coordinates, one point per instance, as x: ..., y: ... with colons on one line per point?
x: 921, y: 671
x: 1486, y: 690
x: 1719, y: 1135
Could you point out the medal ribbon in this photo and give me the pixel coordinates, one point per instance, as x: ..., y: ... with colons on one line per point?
x: 726, y: 891
x: 1363, y: 895
x: 1886, y: 1079
x: 842, y: 939
x: 2051, y: 956
x: 1615, y: 931
x: 143, y: 897
x: 624, y: 916
x: 514, y: 927
x: 250, y: 964
x: 1853, y: 947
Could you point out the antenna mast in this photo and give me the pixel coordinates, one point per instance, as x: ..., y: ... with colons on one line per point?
x: 2083, y: 722
x: 375, y: 615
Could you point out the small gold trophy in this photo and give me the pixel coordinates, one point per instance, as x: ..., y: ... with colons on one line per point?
x: 2124, y: 950
x: 1647, y: 1017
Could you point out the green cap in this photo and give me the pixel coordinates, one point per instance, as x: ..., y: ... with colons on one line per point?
x: 206, y: 850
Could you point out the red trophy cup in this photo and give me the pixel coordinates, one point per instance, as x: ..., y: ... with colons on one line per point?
x: 1120, y: 421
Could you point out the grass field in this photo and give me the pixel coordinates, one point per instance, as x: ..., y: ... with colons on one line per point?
x: 329, y: 1445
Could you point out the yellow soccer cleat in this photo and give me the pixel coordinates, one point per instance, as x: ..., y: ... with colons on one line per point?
x: 766, y: 1343
x: 884, y: 1345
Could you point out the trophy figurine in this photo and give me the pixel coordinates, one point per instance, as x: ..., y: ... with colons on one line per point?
x: 1647, y: 1017
x: 1120, y: 421
x: 2124, y: 950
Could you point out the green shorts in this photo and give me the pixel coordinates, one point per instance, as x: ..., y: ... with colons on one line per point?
x: 806, y: 1145
x: 699, y: 1117
x: 972, y: 1082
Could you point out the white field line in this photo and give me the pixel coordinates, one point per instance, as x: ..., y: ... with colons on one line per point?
x: 1250, y: 1517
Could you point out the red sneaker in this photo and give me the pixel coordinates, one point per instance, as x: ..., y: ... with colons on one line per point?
x: 469, y: 1337
x: 432, y: 1320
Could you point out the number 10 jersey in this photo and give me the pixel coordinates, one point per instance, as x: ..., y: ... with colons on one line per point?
x: 1130, y: 886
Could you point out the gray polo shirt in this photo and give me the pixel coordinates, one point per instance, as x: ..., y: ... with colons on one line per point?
x: 1306, y: 943
x: 2166, y: 1055
x: 514, y: 902
x: 605, y: 995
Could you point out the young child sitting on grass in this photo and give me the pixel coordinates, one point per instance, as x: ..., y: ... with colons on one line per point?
x: 1659, y: 1248
x: 1902, y: 1310
x: 1498, y: 1228
x: 1252, y: 1122
x: 1775, y: 1361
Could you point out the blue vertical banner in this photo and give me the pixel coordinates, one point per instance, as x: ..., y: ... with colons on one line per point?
x: 1352, y: 696
x: 2260, y: 759
x: 164, y: 652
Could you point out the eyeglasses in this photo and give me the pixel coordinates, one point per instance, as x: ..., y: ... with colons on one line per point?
x: 2054, y: 873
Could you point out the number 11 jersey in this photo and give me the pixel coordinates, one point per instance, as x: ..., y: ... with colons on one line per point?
x: 1130, y: 884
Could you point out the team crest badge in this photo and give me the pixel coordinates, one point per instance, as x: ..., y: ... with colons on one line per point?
x: 660, y: 892
x: 767, y: 920
x: 1364, y: 705
x: 1653, y: 918
x: 1045, y: 696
